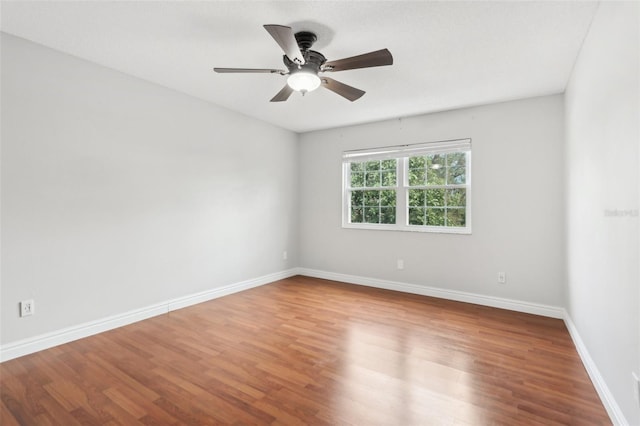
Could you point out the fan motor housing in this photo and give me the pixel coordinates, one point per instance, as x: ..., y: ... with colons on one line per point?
x: 313, y: 61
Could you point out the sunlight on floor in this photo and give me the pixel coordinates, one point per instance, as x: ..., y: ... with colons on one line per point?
x: 381, y: 374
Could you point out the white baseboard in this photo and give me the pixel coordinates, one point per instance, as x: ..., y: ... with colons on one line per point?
x: 460, y: 296
x: 193, y: 299
x: 58, y: 337
x: 69, y: 334
x: 609, y: 402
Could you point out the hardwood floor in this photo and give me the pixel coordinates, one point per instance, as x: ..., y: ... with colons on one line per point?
x: 310, y: 351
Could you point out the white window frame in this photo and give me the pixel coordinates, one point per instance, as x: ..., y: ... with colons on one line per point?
x: 402, y: 153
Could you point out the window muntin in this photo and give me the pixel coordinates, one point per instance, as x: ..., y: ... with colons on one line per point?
x: 422, y: 187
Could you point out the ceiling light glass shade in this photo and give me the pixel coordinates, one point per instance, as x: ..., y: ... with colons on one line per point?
x: 302, y: 81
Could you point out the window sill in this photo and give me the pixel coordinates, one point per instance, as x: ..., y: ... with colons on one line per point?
x: 406, y: 228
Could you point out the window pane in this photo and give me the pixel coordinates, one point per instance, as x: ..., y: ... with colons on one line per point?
x: 387, y: 215
x: 417, y: 172
x: 372, y: 179
x: 416, y: 198
x: 388, y: 165
x: 372, y: 198
x: 456, y: 175
x: 389, y: 178
x: 388, y: 198
x: 357, y: 198
x: 417, y: 177
x: 357, y: 179
x: 435, y: 165
x: 456, y: 159
x: 417, y: 162
x: 436, y: 175
x: 371, y: 215
x: 456, y: 197
x: 434, y: 197
x: 436, y: 161
x: 373, y: 166
x: 456, y: 217
x: 356, y: 215
x: 417, y: 216
x: 435, y: 217
x: 357, y: 167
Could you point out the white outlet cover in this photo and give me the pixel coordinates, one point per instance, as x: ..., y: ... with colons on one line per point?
x: 26, y: 308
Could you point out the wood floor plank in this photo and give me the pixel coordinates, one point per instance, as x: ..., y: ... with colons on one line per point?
x: 310, y: 351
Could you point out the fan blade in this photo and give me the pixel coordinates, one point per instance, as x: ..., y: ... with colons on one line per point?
x: 367, y: 60
x: 283, y: 94
x: 287, y: 41
x: 250, y: 70
x: 342, y: 89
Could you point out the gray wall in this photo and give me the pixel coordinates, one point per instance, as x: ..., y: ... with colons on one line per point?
x: 602, y: 115
x: 517, y: 204
x: 118, y: 194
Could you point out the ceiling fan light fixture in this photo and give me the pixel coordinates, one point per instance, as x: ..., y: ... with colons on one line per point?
x: 304, y: 64
x: 304, y: 81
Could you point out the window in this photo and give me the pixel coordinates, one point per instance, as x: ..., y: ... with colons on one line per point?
x: 422, y: 187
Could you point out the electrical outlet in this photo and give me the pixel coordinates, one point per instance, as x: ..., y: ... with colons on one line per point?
x: 284, y: 255
x: 502, y: 278
x: 400, y: 264
x: 26, y: 308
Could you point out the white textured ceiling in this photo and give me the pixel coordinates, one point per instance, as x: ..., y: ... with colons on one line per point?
x: 446, y: 54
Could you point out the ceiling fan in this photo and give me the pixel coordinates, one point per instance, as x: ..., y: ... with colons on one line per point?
x: 304, y: 65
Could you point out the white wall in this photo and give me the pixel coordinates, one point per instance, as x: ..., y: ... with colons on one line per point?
x: 517, y: 203
x: 118, y: 194
x: 602, y: 115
